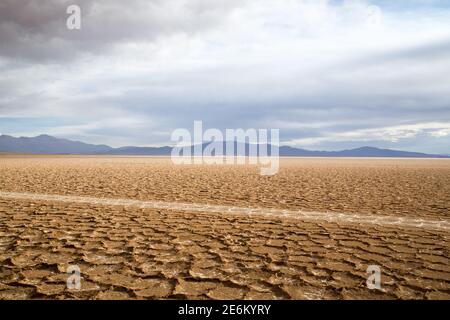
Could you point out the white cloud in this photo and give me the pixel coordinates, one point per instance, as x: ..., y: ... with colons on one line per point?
x: 391, y: 134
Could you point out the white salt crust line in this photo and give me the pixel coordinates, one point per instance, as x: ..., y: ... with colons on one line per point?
x: 394, y: 221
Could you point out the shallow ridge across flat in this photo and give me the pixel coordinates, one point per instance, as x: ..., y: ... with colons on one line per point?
x: 401, y: 222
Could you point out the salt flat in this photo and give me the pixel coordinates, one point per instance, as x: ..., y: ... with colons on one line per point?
x: 141, y: 227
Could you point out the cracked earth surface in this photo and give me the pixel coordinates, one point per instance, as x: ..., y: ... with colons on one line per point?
x: 135, y: 235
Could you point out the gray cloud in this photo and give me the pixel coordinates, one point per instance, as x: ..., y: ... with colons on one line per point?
x: 36, y: 30
x: 324, y: 73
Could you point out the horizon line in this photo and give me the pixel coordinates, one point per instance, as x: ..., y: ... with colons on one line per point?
x: 222, y: 141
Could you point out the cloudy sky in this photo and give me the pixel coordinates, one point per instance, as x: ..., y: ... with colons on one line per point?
x: 330, y: 74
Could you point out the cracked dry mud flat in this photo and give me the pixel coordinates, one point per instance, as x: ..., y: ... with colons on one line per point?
x: 61, y: 211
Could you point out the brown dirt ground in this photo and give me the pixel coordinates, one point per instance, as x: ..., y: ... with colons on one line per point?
x: 126, y: 252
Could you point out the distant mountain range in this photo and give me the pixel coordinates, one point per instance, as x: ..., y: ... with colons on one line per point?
x: 45, y: 144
